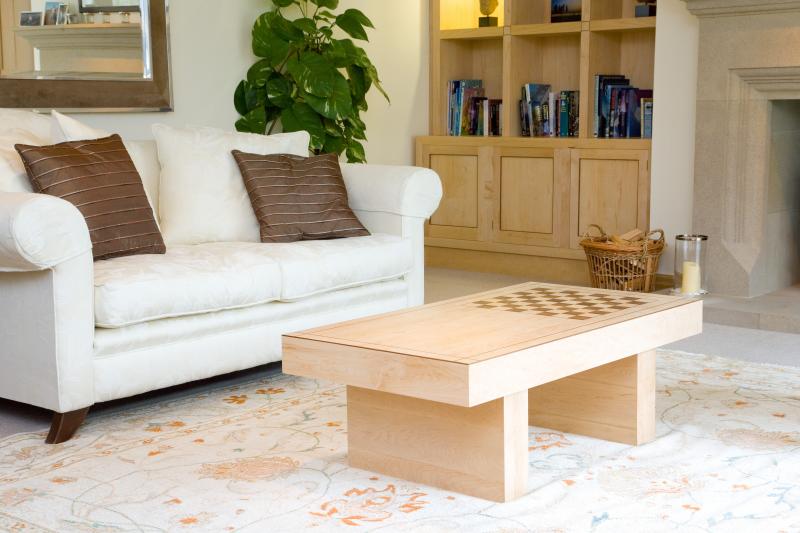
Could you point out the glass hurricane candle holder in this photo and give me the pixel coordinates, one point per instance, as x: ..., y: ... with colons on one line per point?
x: 690, y: 265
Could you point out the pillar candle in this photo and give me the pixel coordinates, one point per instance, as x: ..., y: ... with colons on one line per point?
x: 691, y: 278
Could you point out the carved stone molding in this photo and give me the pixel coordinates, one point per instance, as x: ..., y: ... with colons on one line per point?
x: 716, y: 8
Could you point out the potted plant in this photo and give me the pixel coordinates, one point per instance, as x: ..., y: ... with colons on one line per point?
x: 308, y: 78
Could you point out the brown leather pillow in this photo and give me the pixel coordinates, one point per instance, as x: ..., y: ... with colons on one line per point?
x: 99, y: 178
x: 298, y: 198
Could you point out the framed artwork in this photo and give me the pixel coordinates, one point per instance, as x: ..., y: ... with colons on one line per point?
x: 30, y: 18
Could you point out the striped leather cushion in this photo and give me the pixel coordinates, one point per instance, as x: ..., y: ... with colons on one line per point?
x: 298, y: 198
x: 98, y: 177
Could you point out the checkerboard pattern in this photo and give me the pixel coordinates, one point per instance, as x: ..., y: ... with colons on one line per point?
x: 564, y: 303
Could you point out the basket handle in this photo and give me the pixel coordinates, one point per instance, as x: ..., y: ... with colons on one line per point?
x: 602, y: 235
x: 659, y: 232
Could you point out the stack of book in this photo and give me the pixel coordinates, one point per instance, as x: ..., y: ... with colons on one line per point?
x: 544, y: 113
x: 620, y: 110
x: 470, y: 112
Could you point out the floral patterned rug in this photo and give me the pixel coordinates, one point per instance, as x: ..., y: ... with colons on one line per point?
x: 269, y: 455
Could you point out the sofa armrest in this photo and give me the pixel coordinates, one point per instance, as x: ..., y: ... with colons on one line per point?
x: 38, y: 232
x: 399, y: 190
x: 46, y: 298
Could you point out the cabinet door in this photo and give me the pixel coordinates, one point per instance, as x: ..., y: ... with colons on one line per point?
x: 461, y: 212
x: 531, y: 195
x: 610, y: 188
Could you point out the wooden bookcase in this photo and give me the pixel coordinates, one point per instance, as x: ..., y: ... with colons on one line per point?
x: 518, y: 204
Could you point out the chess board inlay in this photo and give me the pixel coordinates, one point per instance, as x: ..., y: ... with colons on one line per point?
x: 562, y: 303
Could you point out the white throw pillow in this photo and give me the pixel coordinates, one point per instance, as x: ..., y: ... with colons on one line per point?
x: 19, y: 119
x: 202, y: 196
x: 65, y: 129
x: 13, y: 177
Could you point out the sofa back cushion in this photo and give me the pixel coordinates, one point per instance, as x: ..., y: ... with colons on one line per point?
x: 202, y: 197
x: 298, y: 198
x: 100, y: 179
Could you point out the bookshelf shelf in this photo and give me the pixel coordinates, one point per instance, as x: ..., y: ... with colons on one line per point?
x: 546, y: 28
x: 624, y: 24
x: 472, y: 33
x: 485, y: 175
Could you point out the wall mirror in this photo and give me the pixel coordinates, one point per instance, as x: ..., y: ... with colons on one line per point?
x: 85, y: 55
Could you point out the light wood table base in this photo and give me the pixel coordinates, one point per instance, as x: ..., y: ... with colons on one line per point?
x: 482, y: 451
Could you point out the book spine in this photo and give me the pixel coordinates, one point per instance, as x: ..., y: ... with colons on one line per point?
x: 563, y: 122
x: 596, y: 125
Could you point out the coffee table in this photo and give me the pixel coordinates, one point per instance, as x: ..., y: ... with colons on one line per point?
x: 443, y: 394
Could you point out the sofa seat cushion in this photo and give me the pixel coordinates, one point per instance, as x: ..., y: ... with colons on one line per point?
x: 187, y: 280
x: 309, y: 268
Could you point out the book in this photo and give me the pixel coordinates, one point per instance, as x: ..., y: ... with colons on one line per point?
x: 465, y: 99
x: 646, y: 105
x: 546, y: 113
x: 600, y: 82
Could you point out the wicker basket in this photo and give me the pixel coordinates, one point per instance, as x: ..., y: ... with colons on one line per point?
x: 621, y: 266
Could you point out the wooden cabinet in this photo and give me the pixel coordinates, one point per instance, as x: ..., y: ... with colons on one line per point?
x: 611, y: 189
x: 531, y: 198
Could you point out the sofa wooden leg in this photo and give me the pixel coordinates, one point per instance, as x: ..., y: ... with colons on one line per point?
x: 65, y: 425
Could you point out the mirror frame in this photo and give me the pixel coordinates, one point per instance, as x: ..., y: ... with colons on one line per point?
x: 102, y: 95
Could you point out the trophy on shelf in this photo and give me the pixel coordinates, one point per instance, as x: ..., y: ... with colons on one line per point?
x: 487, y: 8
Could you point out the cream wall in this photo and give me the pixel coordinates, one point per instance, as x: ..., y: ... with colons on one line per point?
x: 672, y: 166
x: 211, y: 53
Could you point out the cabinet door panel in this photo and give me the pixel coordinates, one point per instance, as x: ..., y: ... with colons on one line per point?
x: 610, y: 189
x: 461, y: 215
x: 531, y: 195
x: 459, y: 175
x: 526, y: 194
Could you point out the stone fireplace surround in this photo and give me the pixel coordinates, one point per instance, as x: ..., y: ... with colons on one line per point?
x: 749, y: 58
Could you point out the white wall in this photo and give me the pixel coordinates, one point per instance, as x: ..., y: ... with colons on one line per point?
x: 672, y: 167
x: 211, y: 53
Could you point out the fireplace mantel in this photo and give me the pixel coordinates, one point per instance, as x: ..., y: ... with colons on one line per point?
x: 715, y: 8
x: 749, y: 57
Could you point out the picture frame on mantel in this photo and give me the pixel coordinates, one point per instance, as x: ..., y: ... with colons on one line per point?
x: 153, y: 94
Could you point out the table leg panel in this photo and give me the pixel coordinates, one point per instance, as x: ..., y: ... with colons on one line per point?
x: 480, y: 451
x: 614, y: 402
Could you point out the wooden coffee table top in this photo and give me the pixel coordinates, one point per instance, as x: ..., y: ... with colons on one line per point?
x: 479, y: 327
x: 475, y: 349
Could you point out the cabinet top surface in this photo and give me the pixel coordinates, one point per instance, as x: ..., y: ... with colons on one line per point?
x: 475, y: 328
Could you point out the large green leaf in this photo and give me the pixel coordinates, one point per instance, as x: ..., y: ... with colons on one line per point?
x: 284, y: 28
x: 279, y: 91
x: 253, y: 122
x: 306, y: 25
x: 336, y: 106
x: 283, y: 3
x: 301, y: 117
x: 314, y: 74
x: 266, y: 42
x: 248, y: 97
x: 343, y: 53
x: 334, y: 145
x: 330, y: 4
x: 259, y: 73
x: 353, y: 21
x: 355, y: 152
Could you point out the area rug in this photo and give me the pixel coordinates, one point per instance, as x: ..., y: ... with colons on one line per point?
x: 269, y: 455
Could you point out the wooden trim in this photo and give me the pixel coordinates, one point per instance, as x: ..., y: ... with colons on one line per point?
x: 534, y: 142
x: 472, y: 33
x: 624, y: 24
x: 97, y: 95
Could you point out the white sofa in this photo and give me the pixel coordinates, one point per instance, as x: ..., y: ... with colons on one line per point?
x: 74, y: 332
